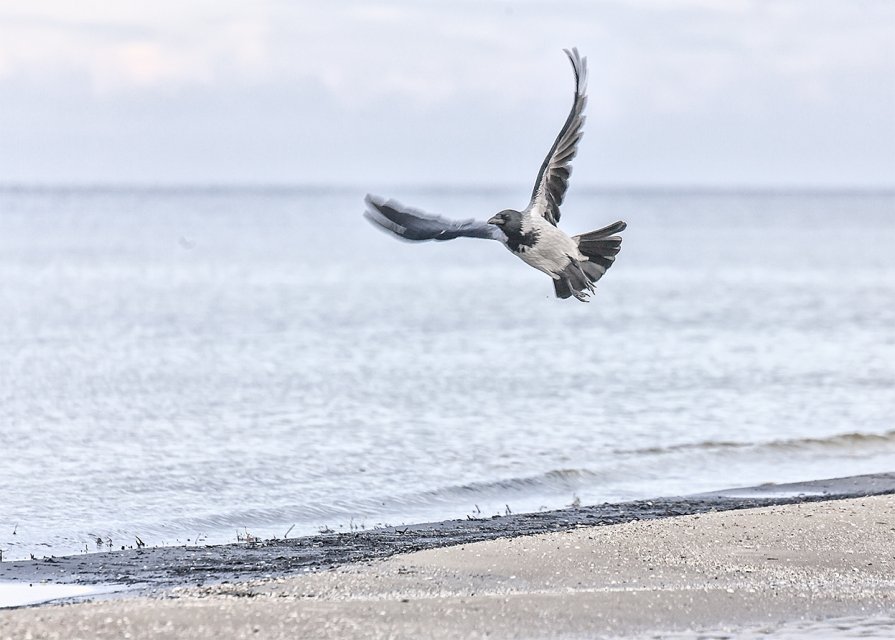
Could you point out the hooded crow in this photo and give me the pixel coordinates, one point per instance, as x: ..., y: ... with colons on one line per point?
x: 574, y: 263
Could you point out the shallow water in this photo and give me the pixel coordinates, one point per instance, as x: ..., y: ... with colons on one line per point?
x: 18, y: 594
x: 180, y: 364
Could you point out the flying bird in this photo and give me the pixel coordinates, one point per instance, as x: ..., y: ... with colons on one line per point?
x: 574, y: 263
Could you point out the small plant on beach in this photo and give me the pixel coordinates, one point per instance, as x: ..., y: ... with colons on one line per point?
x: 247, y: 537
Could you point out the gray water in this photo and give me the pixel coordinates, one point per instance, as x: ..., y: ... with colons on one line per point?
x: 181, y: 363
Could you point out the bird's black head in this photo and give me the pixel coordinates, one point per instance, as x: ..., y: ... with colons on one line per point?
x: 509, y: 220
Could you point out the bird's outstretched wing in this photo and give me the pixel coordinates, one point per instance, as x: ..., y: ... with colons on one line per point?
x: 553, y: 179
x: 411, y: 224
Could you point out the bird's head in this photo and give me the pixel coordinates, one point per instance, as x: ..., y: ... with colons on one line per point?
x: 509, y: 220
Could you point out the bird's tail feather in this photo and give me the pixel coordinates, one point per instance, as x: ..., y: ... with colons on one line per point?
x: 608, y: 230
x: 600, y: 248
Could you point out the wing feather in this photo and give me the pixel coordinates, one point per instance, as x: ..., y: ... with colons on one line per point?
x: 553, y: 178
x: 414, y: 225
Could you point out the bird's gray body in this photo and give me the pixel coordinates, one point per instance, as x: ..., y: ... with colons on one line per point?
x: 574, y: 263
x: 554, y: 249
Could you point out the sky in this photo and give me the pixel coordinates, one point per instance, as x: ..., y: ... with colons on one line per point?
x: 682, y: 93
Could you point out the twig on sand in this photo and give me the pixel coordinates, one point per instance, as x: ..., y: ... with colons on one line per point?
x: 288, y: 531
x: 248, y: 538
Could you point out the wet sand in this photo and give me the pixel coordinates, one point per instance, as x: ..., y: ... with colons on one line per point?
x: 739, y: 569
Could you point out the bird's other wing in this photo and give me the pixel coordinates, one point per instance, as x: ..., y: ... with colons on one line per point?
x: 553, y: 179
x: 411, y: 224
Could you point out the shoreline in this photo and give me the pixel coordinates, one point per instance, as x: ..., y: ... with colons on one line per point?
x: 819, y: 566
x: 156, y: 571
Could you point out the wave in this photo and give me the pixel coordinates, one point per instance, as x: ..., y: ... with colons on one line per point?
x: 560, y: 480
x: 444, y: 501
x: 839, y: 441
x: 557, y: 478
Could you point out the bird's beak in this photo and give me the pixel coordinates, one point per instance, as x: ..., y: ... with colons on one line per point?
x: 495, y: 220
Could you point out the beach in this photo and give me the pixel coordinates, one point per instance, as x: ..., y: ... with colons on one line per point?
x: 238, y: 436
x: 787, y: 567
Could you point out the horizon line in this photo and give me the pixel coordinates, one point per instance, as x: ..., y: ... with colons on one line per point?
x: 440, y: 187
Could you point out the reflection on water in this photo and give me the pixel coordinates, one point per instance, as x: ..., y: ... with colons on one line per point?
x: 180, y: 364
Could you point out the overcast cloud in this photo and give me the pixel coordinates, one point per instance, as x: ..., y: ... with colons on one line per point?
x: 682, y: 92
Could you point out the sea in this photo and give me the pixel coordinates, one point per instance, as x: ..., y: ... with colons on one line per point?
x: 191, y: 365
